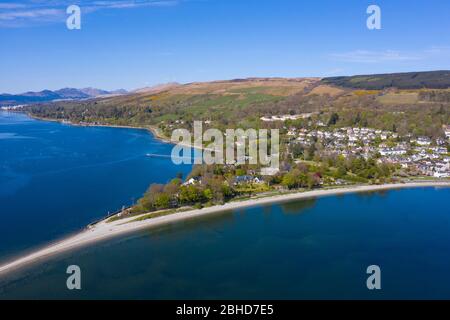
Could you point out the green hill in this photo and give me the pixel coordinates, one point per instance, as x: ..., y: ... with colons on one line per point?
x: 243, y: 102
x: 409, y: 80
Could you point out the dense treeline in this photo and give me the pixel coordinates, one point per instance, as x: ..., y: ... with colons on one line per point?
x: 416, y: 120
x: 435, y: 96
x: 216, y: 184
x: 207, y: 185
x: 409, y: 80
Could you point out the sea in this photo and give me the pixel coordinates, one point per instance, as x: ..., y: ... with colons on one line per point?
x: 55, y: 178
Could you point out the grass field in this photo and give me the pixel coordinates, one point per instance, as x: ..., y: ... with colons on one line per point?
x: 399, y: 98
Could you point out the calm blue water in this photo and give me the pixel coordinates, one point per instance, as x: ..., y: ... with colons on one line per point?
x: 56, y: 178
x: 299, y: 250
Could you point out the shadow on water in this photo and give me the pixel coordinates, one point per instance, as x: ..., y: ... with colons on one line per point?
x: 298, y: 207
x: 371, y: 194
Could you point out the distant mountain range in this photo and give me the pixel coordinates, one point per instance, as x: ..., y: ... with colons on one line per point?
x: 61, y: 94
x: 403, y: 81
x: 381, y: 101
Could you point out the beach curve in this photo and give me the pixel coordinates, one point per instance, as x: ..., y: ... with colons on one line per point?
x: 104, y: 230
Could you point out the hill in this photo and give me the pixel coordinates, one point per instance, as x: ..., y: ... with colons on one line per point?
x: 409, y: 80
x: 157, y: 88
x: 244, y: 102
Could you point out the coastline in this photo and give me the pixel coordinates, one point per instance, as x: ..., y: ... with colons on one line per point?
x: 103, y: 230
x: 152, y: 129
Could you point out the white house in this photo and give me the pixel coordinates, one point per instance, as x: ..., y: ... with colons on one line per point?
x: 190, y: 182
x: 447, y: 131
x: 423, y: 141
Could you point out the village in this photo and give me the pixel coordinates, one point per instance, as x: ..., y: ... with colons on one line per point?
x: 428, y: 157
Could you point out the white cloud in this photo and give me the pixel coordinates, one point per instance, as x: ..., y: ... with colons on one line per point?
x: 364, y: 56
x: 438, y: 50
x: 131, y: 4
x: 367, y: 56
x: 33, y: 12
x: 10, y: 5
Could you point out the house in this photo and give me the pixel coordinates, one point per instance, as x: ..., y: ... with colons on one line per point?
x: 192, y: 181
x: 447, y: 131
x: 392, y: 152
x: 441, y: 174
x: 282, y: 117
x: 246, y: 179
x: 269, y: 171
x: 423, y: 141
x: 321, y: 124
x: 439, y: 150
x: 291, y: 132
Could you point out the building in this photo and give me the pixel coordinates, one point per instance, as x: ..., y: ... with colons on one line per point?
x: 447, y: 131
x: 246, y: 179
x: 423, y: 141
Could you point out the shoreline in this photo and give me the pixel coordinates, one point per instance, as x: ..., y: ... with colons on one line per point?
x: 151, y: 129
x: 104, y: 230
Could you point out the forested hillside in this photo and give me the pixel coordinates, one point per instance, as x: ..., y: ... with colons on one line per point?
x: 242, y: 103
x: 409, y: 80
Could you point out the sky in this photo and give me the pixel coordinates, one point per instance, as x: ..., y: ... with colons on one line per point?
x: 133, y: 44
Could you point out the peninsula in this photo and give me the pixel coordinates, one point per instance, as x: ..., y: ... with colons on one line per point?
x: 106, y: 229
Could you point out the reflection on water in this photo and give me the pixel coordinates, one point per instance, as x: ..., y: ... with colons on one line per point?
x: 369, y: 194
x: 298, y: 207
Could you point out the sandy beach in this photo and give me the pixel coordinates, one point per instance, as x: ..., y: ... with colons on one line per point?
x: 104, y: 230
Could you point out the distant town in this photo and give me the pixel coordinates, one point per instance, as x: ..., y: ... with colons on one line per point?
x: 12, y: 108
x: 429, y: 157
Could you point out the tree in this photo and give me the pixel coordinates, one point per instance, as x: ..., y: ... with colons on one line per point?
x: 289, y: 181
x: 297, y: 149
x: 394, y: 128
x: 227, y: 191
x: 162, y: 201
x: 216, y: 185
x: 357, y: 119
x: 309, y: 155
x: 295, y: 179
x: 312, y: 180
x: 341, y: 170
x: 190, y: 194
x: 172, y: 188
x: 333, y: 119
x: 150, y: 196
x: 208, y: 194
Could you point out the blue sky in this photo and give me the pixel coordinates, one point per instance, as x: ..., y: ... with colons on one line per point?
x: 132, y: 44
